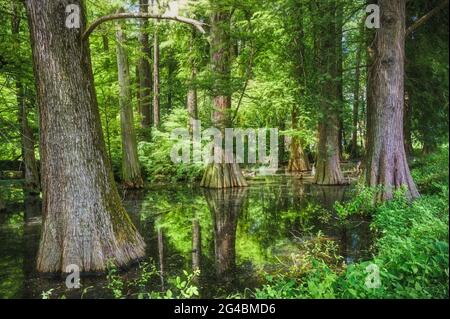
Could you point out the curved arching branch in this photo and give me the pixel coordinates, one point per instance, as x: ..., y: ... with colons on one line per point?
x: 127, y: 15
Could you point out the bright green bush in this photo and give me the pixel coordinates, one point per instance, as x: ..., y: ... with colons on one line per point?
x: 155, y: 155
x: 411, y: 248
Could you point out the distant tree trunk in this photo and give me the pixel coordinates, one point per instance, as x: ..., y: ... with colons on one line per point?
x: 328, y: 169
x: 2, y: 205
x: 298, y: 161
x: 407, y: 126
x: 131, y: 171
x: 32, y: 183
x: 340, y: 75
x: 171, y: 68
x: 192, y: 91
x: 156, y: 110
x: 84, y: 222
x: 221, y: 175
x: 386, y: 159
x: 145, y: 73
x: 356, y: 100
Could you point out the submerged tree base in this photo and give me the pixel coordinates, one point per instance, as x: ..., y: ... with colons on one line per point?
x: 223, y: 176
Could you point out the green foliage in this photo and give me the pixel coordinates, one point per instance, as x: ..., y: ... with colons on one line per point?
x: 411, y: 249
x: 155, y: 156
x: 141, y: 287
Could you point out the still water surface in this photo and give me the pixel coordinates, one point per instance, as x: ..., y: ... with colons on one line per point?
x: 233, y: 236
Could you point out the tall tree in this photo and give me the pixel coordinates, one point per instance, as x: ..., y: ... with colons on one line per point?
x: 357, y: 97
x: 386, y: 160
x: 84, y: 222
x: 192, y: 106
x: 32, y: 183
x: 328, y: 169
x: 298, y: 161
x: 156, y: 80
x: 131, y: 170
x: 221, y: 175
x: 145, y: 73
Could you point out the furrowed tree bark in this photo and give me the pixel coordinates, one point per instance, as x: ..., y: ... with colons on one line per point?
x: 84, y: 222
x: 145, y: 73
x: 131, y: 170
x: 32, y: 182
x: 221, y: 175
x: 386, y: 160
x: 328, y: 169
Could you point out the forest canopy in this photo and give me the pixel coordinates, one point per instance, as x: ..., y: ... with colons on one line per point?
x: 94, y: 95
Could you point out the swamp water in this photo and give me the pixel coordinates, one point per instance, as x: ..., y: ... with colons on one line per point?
x: 235, y: 237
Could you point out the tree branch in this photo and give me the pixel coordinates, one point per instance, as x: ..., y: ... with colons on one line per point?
x: 197, y: 24
x: 426, y: 17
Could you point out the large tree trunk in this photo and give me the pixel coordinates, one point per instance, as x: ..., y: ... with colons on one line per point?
x: 145, y: 73
x: 131, y: 170
x: 32, y: 183
x: 298, y: 161
x: 328, y: 169
x: 221, y: 175
x: 386, y: 159
x: 84, y: 222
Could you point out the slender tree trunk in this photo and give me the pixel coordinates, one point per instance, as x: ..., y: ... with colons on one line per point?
x: 145, y: 73
x: 32, y: 183
x: 221, y: 175
x: 156, y: 110
x: 192, y: 99
x: 298, y: 161
x: 84, y: 222
x: 356, y: 100
x: 192, y: 91
x: 171, y: 68
x: 386, y: 159
x: 339, y: 75
x: 328, y: 169
x: 407, y: 126
x: 131, y: 170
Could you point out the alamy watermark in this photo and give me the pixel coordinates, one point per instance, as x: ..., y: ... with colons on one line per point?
x: 227, y: 146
